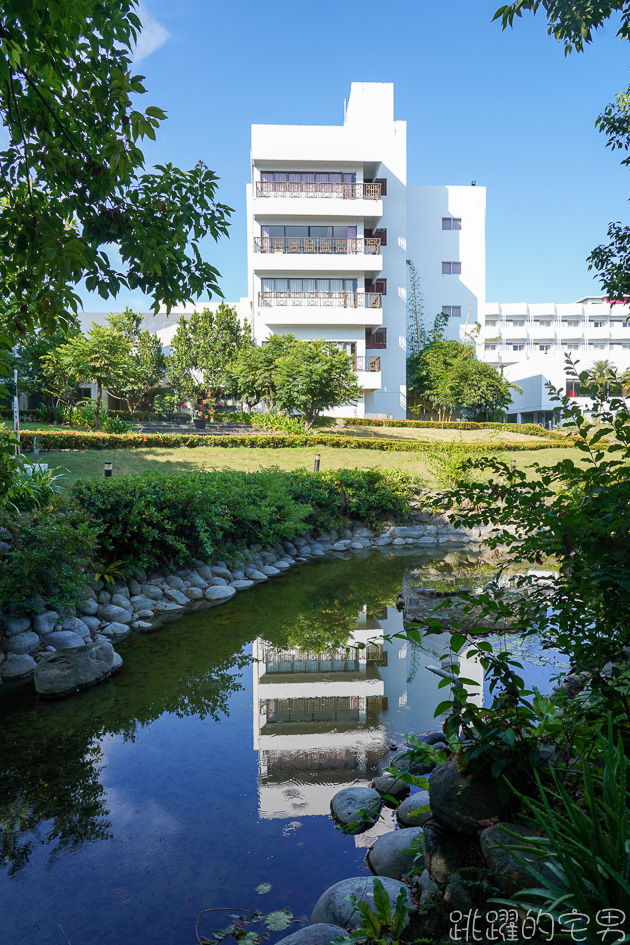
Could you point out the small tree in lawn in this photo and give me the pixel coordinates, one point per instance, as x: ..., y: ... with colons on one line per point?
x: 203, y: 352
x: 253, y: 371
x: 314, y: 376
x: 101, y: 356
x: 145, y: 363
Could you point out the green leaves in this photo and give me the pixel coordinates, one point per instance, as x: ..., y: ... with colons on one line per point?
x: 279, y: 920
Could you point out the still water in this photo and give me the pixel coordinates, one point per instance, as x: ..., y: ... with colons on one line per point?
x: 207, y: 765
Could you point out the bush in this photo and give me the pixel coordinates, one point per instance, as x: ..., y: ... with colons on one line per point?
x: 49, y: 558
x: 528, y: 429
x: 84, y: 415
x: 152, y: 520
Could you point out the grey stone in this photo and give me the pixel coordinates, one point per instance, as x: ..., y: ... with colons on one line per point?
x: 269, y: 556
x: 120, y: 587
x: 255, y: 575
x: 290, y: 548
x: 204, y: 571
x: 409, y: 813
x: 119, y: 600
x: 269, y: 570
x: 238, y: 575
x: 394, y: 787
x: 89, y: 593
x: 59, y: 674
x: 412, y: 531
x: 242, y: 585
x: 92, y: 623
x: 342, y: 545
x: 117, y: 663
x: 219, y: 595
x: 144, y: 613
x: 116, y: 631
x: 391, y: 855
x: 320, y: 934
x: 109, y: 613
x: 104, y: 597
x: 176, y: 596
x: 356, y: 545
x: 87, y: 607
x: 444, y: 852
x: 64, y: 640
x: 462, y: 803
x: 430, y: 738
x: 21, y: 643
x: 362, y: 531
x: 283, y: 564
x: 427, y: 886
x: 356, y: 807
x: 134, y: 587
x: 333, y: 906
x: 197, y: 581
x: 399, y: 541
x: 511, y: 875
x: 152, y: 592
x: 383, y: 540
x: 45, y: 623
x: 194, y: 593
x: 141, y: 602
x: 13, y: 625
x: 141, y: 626
x: 16, y: 665
x: 175, y: 582
x: 76, y: 626
x: 217, y: 582
x: 222, y: 572
x: 167, y: 607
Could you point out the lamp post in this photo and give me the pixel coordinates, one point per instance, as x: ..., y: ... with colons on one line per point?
x: 108, y: 468
x: 316, y: 466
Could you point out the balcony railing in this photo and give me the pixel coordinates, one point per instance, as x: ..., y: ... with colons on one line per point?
x: 368, y: 362
x: 290, y: 188
x: 335, y: 299
x: 318, y: 244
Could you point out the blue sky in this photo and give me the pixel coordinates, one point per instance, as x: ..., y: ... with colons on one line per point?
x: 506, y: 109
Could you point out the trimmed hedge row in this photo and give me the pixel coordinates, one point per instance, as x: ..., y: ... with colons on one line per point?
x: 87, y: 440
x: 529, y: 429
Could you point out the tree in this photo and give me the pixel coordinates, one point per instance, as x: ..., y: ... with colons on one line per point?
x: 145, y: 364
x: 100, y: 356
x: 31, y: 357
x: 573, y: 23
x: 72, y: 177
x: 314, y: 376
x: 603, y: 375
x: 204, y: 350
x: 253, y: 370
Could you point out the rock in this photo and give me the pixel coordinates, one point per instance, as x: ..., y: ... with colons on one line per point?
x: 194, y: 593
x: 92, y: 623
x: 430, y: 738
x: 167, y: 607
x: 290, y: 549
x: 89, y: 593
x: 75, y: 625
x: 141, y: 602
x: 219, y: 595
x: 427, y: 887
x: 134, y: 588
x: 87, y: 607
x: 104, y: 597
x: 362, y: 531
x: 116, y: 631
x: 356, y: 807
x: 444, y: 852
x: 391, y: 786
x: 45, y: 623
x: 14, y: 625
x: 333, y: 907
x: 221, y: 572
x: 119, y: 600
x: 356, y: 545
x: 510, y: 874
x: 21, y: 643
x: 16, y: 665
x: 218, y: 582
x: 408, y: 813
x: 269, y: 570
x: 320, y: 934
x: 238, y: 575
x: 242, y: 585
x: 285, y: 563
x: 255, y: 575
x: 342, y: 545
x: 176, y: 596
x: 204, y: 571
x: 152, y: 592
x: 383, y: 540
x: 141, y: 626
x: 120, y: 587
x: 412, y: 531
x: 175, y: 582
x: 59, y: 674
x: 462, y: 803
x: 391, y: 855
x: 197, y: 581
x: 144, y: 613
x: 399, y: 541
x: 64, y: 640
x: 117, y: 663
x: 110, y: 613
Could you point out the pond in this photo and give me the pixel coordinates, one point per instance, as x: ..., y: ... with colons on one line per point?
x: 207, y: 765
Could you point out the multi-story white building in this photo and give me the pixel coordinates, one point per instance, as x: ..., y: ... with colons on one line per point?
x: 531, y: 343
x: 331, y: 225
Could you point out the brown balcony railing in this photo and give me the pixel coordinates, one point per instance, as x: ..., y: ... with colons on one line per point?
x: 335, y: 299
x: 368, y: 362
x: 318, y: 244
x: 298, y: 188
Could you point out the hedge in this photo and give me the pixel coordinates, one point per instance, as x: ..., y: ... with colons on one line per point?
x: 528, y: 429
x: 88, y: 440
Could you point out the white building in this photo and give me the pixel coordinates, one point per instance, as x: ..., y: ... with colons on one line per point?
x: 531, y: 343
x: 331, y: 224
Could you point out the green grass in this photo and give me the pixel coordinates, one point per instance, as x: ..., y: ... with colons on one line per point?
x: 87, y: 464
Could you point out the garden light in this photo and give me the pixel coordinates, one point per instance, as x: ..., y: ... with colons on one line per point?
x: 108, y: 468
x: 316, y: 467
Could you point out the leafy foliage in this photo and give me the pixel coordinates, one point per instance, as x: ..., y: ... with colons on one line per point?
x: 314, y: 376
x: 253, y: 372
x: 380, y: 925
x: 144, y: 365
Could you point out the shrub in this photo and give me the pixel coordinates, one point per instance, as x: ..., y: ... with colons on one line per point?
x: 151, y: 519
x: 528, y: 429
x: 84, y: 415
x: 49, y: 558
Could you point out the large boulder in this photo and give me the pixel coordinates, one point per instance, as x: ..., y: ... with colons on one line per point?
x: 391, y: 855
x: 59, y: 674
x: 176, y: 596
x: 116, y: 631
x: 410, y: 813
x: 356, y: 808
x: 464, y: 803
x: 88, y: 607
x: 221, y: 572
x: 390, y: 786
x: 152, y: 592
x: 21, y: 643
x: 333, y: 907
x: 45, y: 623
x: 13, y: 625
x: 242, y: 585
x: 16, y: 665
x: 445, y: 853
x: 76, y: 625
x: 122, y: 600
x: 219, y: 595
x: 110, y: 613
x: 320, y: 934
x: 64, y: 640
x: 510, y: 873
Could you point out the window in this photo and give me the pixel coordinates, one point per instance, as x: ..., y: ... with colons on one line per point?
x: 383, y: 182
x: 451, y: 223
x: 572, y: 347
x: 379, y: 285
x: 490, y: 346
x: 454, y: 311
x: 376, y: 338
x: 490, y: 322
x: 544, y: 347
x: 451, y: 269
x: 84, y: 393
x: 600, y: 324
x: 512, y: 323
x: 599, y: 347
x: 306, y: 177
x: 350, y: 347
x: 544, y: 323
x: 518, y: 347
x: 573, y: 388
x: 377, y: 235
x: 299, y: 287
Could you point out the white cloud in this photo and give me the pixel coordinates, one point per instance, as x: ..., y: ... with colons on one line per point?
x: 153, y: 35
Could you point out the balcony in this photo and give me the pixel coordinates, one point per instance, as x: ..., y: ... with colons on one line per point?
x: 338, y: 299
x: 321, y: 308
x: 327, y: 255
x: 318, y: 245
x: 344, y: 191
x: 368, y: 371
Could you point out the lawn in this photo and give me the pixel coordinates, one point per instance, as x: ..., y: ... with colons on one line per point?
x: 433, y: 434
x: 87, y: 464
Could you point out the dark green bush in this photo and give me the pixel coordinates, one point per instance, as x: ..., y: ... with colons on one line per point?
x: 49, y: 558
x: 153, y: 520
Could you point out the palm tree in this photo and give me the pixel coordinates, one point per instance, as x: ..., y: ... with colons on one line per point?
x: 602, y: 374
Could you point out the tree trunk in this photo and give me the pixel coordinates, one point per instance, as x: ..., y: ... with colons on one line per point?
x: 99, y: 396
